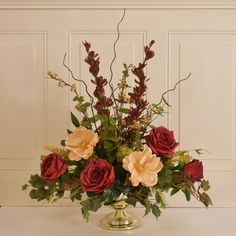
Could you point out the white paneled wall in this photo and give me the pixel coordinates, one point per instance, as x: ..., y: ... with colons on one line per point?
x: 196, y: 37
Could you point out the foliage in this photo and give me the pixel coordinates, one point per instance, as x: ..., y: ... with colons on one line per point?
x: 120, y: 122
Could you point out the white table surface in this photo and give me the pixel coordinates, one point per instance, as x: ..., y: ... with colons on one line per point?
x: 66, y: 221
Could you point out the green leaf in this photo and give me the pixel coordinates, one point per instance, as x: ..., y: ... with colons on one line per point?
x: 78, y: 99
x: 199, y: 151
x: 187, y: 194
x: 147, y: 210
x: 69, y: 131
x: 160, y: 199
x: 91, y: 204
x: 165, y: 178
x: 174, y: 191
x: 111, y: 157
x: 40, y: 194
x: 107, y: 197
x: 79, y: 167
x: 132, y: 200
x: 147, y: 205
x: 34, y: 194
x: 36, y: 181
x: 125, y: 110
x: 65, y: 177
x: 165, y: 101
x: 100, y: 117
x: 86, y: 123
x: 25, y: 186
x: 76, y: 194
x: 83, y: 108
x: 204, y: 197
x: 130, y: 94
x: 74, y: 120
x: 63, y: 142
x: 110, y: 195
x: 85, y: 213
x: 109, y: 145
x: 157, y: 109
x: 155, y: 210
x: 123, y: 151
x: 205, y: 185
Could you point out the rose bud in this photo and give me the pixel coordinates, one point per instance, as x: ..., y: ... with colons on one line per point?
x: 194, y: 170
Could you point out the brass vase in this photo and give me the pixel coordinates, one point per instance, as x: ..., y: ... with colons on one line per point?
x: 120, y: 220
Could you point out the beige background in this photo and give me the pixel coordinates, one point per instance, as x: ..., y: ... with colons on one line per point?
x: 197, y: 37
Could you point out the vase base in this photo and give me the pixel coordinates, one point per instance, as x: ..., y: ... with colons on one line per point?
x: 112, y: 222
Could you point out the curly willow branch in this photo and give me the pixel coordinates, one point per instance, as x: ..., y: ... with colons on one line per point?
x: 85, y: 85
x: 170, y: 90
x: 162, y: 99
x: 114, y: 58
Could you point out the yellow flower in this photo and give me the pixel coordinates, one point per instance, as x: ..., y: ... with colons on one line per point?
x: 143, y: 167
x: 81, y: 143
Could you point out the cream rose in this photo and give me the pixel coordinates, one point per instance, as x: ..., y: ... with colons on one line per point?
x: 81, y: 143
x: 143, y: 167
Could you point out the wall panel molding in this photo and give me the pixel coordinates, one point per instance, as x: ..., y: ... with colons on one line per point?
x: 191, y: 36
x: 110, y: 4
x: 29, y: 96
x: 216, y: 49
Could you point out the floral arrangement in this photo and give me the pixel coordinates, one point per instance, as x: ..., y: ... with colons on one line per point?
x: 114, y: 152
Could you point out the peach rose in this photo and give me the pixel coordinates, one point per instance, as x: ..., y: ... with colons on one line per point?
x: 81, y: 143
x: 143, y: 167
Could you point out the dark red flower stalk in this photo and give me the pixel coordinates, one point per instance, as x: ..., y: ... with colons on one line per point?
x: 87, y: 46
x: 139, y: 91
x: 103, y: 102
x: 148, y: 52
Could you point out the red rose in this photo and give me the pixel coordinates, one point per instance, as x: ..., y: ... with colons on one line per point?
x: 52, y: 167
x: 97, y: 176
x: 194, y: 170
x: 161, y: 141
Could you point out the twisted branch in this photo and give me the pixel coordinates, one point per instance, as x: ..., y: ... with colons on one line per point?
x: 114, y: 58
x: 162, y: 99
x: 85, y: 85
x: 170, y: 90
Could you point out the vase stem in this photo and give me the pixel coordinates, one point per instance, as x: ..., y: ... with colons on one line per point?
x: 120, y: 219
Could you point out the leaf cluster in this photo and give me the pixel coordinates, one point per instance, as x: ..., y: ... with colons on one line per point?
x: 42, y: 190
